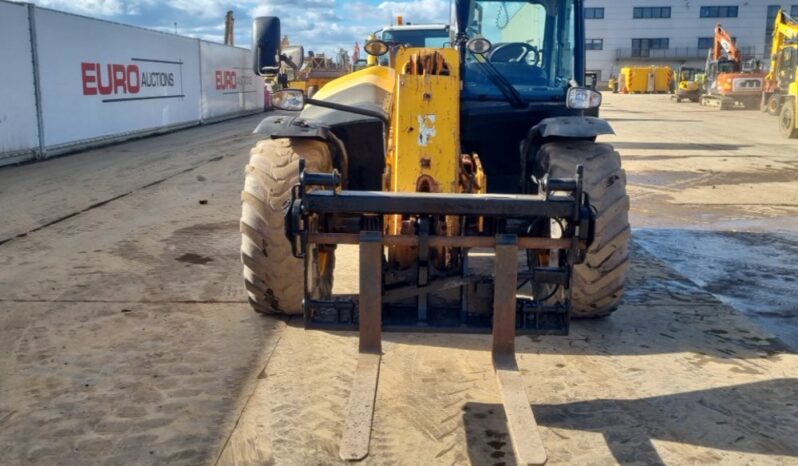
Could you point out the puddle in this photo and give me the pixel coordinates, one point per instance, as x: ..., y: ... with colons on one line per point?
x: 755, y: 273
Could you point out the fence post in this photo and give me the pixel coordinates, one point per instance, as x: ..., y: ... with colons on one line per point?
x: 41, y: 153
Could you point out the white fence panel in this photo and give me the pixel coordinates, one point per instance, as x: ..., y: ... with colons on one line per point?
x: 229, y: 86
x: 102, y: 80
x: 19, y: 134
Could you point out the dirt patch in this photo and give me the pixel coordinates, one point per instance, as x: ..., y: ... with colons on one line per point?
x: 192, y: 258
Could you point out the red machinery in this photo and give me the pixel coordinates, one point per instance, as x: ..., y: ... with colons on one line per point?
x: 727, y: 83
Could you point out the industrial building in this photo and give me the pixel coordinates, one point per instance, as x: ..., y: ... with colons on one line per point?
x: 652, y: 32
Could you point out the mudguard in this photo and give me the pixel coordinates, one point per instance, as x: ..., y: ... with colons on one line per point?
x: 571, y: 127
x: 287, y: 126
x: 576, y: 127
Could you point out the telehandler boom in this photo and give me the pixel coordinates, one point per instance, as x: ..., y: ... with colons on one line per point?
x: 482, y: 143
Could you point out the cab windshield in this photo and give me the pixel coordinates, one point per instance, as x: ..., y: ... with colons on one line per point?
x: 533, y: 49
x: 432, y: 38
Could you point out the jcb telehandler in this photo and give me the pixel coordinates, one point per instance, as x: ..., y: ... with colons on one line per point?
x: 481, y: 143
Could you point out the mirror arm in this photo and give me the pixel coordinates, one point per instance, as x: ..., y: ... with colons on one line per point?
x: 288, y: 61
x: 350, y: 109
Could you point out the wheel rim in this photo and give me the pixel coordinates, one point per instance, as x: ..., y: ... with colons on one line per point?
x: 786, y: 120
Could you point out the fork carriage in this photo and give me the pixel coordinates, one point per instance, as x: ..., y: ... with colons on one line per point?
x: 427, y: 298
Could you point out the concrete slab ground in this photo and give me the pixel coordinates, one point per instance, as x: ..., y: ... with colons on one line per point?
x: 125, y: 337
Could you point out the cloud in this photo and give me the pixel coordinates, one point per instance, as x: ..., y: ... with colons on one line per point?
x: 418, y: 11
x: 319, y: 25
x: 87, y: 7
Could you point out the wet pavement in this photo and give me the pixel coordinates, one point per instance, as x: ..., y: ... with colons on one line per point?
x: 755, y: 273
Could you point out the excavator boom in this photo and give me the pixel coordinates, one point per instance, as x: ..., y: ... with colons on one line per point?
x: 724, y: 44
x: 780, y: 96
x: 785, y: 29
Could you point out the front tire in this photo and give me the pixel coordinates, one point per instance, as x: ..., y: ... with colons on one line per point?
x: 597, y: 284
x: 272, y: 275
x: 772, y: 106
x: 787, y: 124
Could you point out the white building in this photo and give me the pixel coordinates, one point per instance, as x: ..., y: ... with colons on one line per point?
x: 672, y: 32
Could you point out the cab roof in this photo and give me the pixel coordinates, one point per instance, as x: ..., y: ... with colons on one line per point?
x: 417, y: 27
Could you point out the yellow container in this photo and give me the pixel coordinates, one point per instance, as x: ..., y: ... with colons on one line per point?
x: 633, y: 80
x: 642, y: 80
x: 663, y: 78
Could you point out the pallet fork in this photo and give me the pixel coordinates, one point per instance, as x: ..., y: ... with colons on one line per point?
x: 370, y: 314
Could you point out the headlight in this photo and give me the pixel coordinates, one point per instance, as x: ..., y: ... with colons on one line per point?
x: 582, y: 98
x: 376, y: 47
x: 289, y: 99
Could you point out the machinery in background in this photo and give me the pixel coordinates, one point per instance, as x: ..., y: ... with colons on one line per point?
x: 416, y: 35
x: 412, y: 35
x: 686, y: 84
x: 309, y: 73
x: 727, y: 84
x: 612, y: 85
x: 780, y: 97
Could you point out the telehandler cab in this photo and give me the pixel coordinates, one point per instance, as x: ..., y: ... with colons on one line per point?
x: 481, y: 143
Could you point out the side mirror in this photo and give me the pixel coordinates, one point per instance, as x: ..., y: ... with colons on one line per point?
x: 266, y: 45
x: 294, y: 56
x: 289, y: 99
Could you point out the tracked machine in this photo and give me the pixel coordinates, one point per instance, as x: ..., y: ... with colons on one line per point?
x: 686, y: 84
x: 428, y: 164
x: 727, y: 84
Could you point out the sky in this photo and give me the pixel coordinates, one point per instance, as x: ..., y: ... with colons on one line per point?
x: 318, y: 25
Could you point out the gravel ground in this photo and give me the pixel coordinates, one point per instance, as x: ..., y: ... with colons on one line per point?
x: 125, y: 337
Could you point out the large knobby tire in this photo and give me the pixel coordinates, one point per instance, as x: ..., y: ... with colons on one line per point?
x: 272, y: 275
x: 597, y: 284
x: 773, y: 106
x: 787, y: 123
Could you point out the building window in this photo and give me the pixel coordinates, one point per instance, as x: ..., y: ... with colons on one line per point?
x: 642, y: 47
x: 718, y: 11
x: 652, y: 12
x: 594, y: 13
x: 705, y: 43
x: 794, y: 11
x: 594, y: 44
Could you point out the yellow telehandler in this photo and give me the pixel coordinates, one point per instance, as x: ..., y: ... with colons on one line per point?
x: 482, y: 143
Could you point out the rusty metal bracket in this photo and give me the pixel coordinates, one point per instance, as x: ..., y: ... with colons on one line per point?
x: 521, y: 422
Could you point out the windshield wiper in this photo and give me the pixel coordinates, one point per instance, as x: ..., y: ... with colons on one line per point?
x: 510, y: 93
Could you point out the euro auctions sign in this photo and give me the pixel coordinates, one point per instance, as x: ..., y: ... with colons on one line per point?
x: 230, y: 80
x: 228, y: 84
x: 137, y: 79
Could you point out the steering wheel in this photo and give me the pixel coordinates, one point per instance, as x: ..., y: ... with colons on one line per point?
x: 515, y: 52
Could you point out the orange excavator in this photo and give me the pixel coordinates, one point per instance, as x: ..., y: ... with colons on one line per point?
x: 727, y: 84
